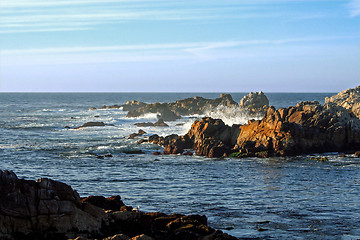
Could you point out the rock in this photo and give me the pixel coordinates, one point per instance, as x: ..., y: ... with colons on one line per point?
x: 141, y: 132
x: 117, y: 237
x: 111, y: 203
x: 48, y: 209
x: 134, y: 135
x: 306, y: 128
x: 188, y: 106
x: 92, y: 124
x: 44, y: 208
x: 144, y: 124
x: 132, y: 105
x: 110, y: 107
x: 255, y: 102
x: 92, y: 108
x: 160, y: 123
x: 108, y: 155
x: 142, y: 141
x: 357, y: 154
x: 348, y: 99
x: 133, y: 151
x: 67, y: 127
x: 162, y: 108
x: 142, y: 237
x: 156, y: 153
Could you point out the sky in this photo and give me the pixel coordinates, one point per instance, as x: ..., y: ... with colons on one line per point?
x: 179, y: 46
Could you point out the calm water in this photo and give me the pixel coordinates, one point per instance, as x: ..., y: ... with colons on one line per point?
x: 292, y: 198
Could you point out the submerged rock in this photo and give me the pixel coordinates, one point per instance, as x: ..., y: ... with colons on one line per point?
x: 93, y: 124
x: 348, y: 99
x: 49, y: 209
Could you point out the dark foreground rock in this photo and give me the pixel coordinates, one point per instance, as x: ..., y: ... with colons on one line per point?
x: 306, y: 128
x: 47, y: 209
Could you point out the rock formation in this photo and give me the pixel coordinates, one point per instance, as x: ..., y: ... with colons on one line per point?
x: 308, y: 127
x: 348, y: 99
x: 161, y: 108
x: 93, y: 124
x: 255, y: 102
x: 48, y: 209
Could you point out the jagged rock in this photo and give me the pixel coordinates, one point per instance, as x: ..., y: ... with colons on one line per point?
x: 48, y: 209
x: 132, y: 105
x: 199, y: 105
x: 44, y: 208
x: 308, y: 127
x: 348, y: 99
x: 255, y: 102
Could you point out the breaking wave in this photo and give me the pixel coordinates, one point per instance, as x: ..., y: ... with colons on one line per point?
x: 232, y: 115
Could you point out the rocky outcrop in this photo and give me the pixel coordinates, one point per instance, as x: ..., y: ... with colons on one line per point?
x: 160, y: 123
x: 161, y: 108
x: 308, y: 127
x: 139, y: 133
x: 255, y: 102
x: 348, y: 99
x: 132, y: 105
x: 200, y: 105
x: 48, y: 209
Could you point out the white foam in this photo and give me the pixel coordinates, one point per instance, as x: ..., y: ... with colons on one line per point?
x: 231, y: 115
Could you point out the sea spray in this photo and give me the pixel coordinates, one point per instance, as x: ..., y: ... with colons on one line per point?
x: 232, y: 114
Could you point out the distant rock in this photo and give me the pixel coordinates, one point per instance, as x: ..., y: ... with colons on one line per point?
x: 255, y: 102
x: 144, y: 124
x: 92, y: 124
x: 133, y: 151
x: 132, y: 105
x: 348, y: 99
x: 200, y: 105
x: 160, y: 123
x: 161, y: 108
x: 134, y: 135
x: 110, y: 107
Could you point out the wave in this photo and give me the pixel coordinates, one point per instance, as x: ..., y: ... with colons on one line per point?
x: 232, y: 115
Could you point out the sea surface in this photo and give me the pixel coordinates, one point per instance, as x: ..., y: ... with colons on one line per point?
x: 287, y: 198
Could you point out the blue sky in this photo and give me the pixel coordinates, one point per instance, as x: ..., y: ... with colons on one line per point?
x: 173, y: 46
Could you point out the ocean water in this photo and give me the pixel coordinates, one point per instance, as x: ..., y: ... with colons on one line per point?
x: 288, y: 198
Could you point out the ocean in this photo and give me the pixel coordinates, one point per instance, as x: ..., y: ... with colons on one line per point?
x: 286, y: 198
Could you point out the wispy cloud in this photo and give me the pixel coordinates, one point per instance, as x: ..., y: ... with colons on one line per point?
x: 190, y: 47
x: 354, y: 7
x: 28, y: 15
